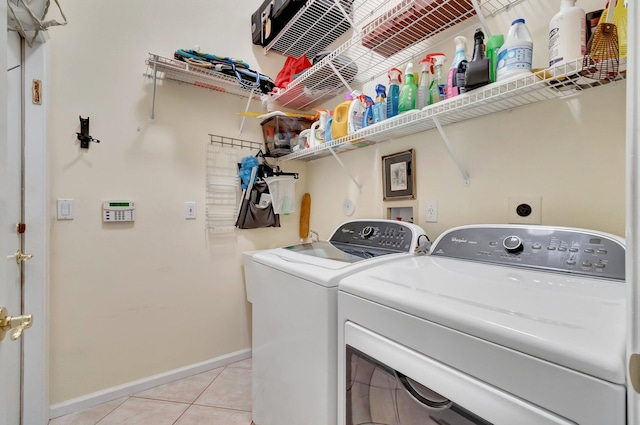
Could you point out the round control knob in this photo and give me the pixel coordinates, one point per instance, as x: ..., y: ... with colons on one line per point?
x: 513, y: 244
x: 367, y: 232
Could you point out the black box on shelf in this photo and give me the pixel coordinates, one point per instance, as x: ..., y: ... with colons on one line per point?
x: 271, y: 17
x: 281, y: 133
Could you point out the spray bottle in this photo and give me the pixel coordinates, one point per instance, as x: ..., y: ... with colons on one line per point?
x: 479, y: 69
x: 437, y: 86
x: 409, y: 91
x: 423, y: 88
x: 367, y: 118
x: 380, y: 105
x: 393, y: 100
x: 461, y: 55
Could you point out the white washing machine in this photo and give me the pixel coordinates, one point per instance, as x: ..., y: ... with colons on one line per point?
x: 501, y: 324
x: 294, y: 294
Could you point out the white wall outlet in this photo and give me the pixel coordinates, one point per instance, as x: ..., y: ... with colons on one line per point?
x: 432, y: 212
x: 190, y: 210
x: 525, y: 209
x: 65, y: 209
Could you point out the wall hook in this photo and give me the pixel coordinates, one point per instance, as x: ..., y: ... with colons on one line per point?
x: 84, y: 136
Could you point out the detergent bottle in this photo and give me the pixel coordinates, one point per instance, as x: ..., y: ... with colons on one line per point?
x: 567, y: 34
x: 515, y: 55
x: 340, y: 123
x: 367, y: 119
x: 437, y: 86
x: 393, y: 99
x: 423, y: 88
x: 409, y: 91
x: 318, y: 127
x: 461, y: 55
x: 327, y: 128
x: 380, y: 105
x: 356, y: 112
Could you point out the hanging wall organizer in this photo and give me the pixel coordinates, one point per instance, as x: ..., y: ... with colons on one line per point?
x: 223, y: 184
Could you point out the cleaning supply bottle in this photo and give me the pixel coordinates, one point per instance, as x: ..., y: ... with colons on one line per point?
x: 393, y: 99
x: 318, y: 127
x: 409, y: 91
x: 494, y: 43
x: 356, y: 112
x: 327, y: 128
x: 461, y: 55
x: 380, y: 105
x: 423, y: 88
x: 515, y: 55
x: 367, y: 118
x: 567, y: 34
x: 340, y: 123
x: 478, y: 68
x: 438, y: 85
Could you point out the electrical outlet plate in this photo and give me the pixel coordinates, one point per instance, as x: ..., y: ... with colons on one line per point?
x: 519, y: 203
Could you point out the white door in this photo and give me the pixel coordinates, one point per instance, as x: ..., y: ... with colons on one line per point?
x: 11, y: 239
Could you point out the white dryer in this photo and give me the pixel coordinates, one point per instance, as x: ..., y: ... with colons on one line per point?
x: 501, y: 324
x: 293, y: 291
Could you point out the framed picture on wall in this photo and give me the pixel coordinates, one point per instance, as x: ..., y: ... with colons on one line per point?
x: 398, y: 176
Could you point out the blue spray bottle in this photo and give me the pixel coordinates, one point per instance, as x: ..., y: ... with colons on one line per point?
x: 367, y: 118
x: 393, y: 100
x: 380, y: 106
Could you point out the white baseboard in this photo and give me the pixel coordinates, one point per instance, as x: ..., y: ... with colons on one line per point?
x: 124, y: 390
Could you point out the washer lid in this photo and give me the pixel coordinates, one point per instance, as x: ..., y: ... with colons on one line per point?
x: 319, y: 263
x: 577, y: 322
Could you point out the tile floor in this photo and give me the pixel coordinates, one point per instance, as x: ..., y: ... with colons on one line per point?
x: 218, y: 397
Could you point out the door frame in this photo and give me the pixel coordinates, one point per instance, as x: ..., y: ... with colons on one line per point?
x: 633, y: 210
x: 35, y: 340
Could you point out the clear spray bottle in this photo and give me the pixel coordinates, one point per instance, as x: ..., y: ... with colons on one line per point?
x: 423, y: 88
x: 437, y: 86
x: 461, y: 55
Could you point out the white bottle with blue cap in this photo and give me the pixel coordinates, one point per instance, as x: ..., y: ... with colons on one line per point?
x: 515, y: 55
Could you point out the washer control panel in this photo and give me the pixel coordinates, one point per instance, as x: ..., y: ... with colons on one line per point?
x: 386, y: 234
x: 575, y: 251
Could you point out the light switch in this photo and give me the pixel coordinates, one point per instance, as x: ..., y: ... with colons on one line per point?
x: 65, y: 209
x: 190, y: 210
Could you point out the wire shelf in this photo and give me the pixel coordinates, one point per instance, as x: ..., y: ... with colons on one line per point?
x: 553, y: 83
x: 318, y: 24
x: 386, y: 34
x: 176, y: 70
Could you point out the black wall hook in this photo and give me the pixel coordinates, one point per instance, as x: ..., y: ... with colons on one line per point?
x: 84, y: 136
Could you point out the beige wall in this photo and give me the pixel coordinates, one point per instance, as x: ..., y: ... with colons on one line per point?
x: 130, y: 301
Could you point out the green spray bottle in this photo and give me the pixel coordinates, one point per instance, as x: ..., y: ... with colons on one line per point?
x: 409, y: 91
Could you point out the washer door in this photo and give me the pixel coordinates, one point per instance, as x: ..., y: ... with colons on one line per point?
x: 389, y: 384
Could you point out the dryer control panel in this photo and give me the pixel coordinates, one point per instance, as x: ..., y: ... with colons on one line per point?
x: 558, y: 249
x: 386, y: 234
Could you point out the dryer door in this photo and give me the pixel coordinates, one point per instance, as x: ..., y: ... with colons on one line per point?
x: 389, y: 384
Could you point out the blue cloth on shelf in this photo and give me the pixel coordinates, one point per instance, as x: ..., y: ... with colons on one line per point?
x: 246, y: 165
